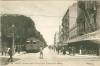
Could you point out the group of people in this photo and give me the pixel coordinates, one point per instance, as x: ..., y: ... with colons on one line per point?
x: 63, y: 50
x: 4, y: 51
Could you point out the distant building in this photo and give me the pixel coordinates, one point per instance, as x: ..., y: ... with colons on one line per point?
x: 56, y: 39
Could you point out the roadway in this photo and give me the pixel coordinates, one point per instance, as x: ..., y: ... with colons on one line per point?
x: 51, y: 58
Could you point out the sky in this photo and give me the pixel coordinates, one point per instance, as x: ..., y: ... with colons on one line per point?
x: 47, y: 15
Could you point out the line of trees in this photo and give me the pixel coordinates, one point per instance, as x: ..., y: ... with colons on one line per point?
x: 23, y: 29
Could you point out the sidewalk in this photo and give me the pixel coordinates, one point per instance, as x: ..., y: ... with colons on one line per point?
x: 60, y: 55
x: 16, y: 54
x: 78, y: 56
x: 4, y: 59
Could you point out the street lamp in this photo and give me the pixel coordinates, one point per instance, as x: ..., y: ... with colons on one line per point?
x: 13, y: 39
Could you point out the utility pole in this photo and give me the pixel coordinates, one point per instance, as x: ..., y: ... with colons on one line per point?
x: 0, y: 34
x: 13, y: 39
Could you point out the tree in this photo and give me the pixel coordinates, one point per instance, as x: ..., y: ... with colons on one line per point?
x: 24, y: 29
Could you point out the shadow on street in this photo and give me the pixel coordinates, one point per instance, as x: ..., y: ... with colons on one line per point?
x: 4, y: 61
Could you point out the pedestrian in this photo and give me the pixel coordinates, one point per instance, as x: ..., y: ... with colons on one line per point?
x: 19, y: 51
x: 69, y: 50
x: 2, y: 51
x: 73, y: 51
x: 5, y: 50
x: 58, y: 50
x: 10, y: 54
x: 64, y: 51
x: 41, y: 53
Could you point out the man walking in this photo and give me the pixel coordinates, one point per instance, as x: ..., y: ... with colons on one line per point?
x: 10, y: 54
x: 41, y: 53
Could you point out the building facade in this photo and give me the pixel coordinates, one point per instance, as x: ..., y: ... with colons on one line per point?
x: 86, y: 17
x: 56, y: 39
x: 72, y: 21
x: 65, y: 26
x: 98, y: 14
x: 82, y: 22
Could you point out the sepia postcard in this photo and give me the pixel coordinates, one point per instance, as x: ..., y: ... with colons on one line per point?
x: 49, y: 33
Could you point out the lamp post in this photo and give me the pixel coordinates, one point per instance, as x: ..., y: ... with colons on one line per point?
x: 13, y: 39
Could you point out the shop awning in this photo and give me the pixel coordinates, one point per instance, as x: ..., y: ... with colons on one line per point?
x: 94, y: 36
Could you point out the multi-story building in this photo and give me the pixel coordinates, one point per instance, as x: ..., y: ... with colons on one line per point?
x: 98, y: 14
x: 82, y: 22
x: 86, y: 17
x: 56, y: 39
x: 69, y: 23
x: 65, y: 26
x: 72, y: 21
x: 87, y: 25
x: 61, y: 38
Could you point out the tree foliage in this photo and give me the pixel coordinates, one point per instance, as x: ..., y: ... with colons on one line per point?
x: 23, y: 29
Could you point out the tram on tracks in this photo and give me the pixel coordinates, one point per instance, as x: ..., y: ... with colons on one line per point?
x: 33, y: 45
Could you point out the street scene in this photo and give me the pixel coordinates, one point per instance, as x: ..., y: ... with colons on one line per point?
x: 50, y: 33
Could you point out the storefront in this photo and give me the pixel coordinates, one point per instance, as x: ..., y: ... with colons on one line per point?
x: 86, y: 44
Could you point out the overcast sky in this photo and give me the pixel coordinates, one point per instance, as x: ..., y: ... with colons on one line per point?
x: 47, y: 15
